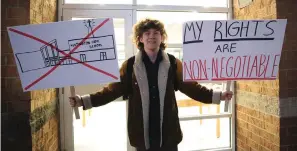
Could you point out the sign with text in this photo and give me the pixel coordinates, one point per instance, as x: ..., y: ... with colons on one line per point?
x: 66, y: 53
x: 232, y: 49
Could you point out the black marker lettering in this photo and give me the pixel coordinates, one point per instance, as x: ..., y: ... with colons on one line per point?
x: 217, y: 30
x: 246, y: 27
x: 257, y: 22
x: 232, y: 47
x: 225, y: 46
x: 189, y: 29
x: 218, y: 48
x: 272, y: 31
x: 236, y: 28
x: 199, y: 28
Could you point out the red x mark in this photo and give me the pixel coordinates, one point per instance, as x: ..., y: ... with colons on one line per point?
x: 66, y: 55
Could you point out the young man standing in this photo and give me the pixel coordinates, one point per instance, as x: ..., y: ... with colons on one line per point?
x: 153, y: 122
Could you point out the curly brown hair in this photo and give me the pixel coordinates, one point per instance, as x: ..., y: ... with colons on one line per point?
x: 143, y: 26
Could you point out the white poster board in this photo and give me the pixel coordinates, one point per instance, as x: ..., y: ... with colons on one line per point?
x: 229, y: 50
x: 66, y: 53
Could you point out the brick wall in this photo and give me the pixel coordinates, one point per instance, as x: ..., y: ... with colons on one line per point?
x: 266, y: 111
x: 30, y: 120
x: 15, y: 104
x: 44, y: 104
x: 288, y: 77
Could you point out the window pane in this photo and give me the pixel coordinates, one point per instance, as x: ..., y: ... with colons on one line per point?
x: 205, y: 134
x: 176, y: 52
x: 98, y: 1
x: 173, y: 25
x: 205, y: 3
x: 188, y: 107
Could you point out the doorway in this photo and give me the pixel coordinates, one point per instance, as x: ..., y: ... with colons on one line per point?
x: 102, y: 128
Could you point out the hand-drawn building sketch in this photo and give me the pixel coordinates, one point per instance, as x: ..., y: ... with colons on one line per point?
x: 91, y: 50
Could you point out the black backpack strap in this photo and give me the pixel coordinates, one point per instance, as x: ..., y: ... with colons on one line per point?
x: 173, y: 65
x: 128, y: 77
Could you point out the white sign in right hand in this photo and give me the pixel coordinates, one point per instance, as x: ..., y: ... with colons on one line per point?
x: 228, y: 50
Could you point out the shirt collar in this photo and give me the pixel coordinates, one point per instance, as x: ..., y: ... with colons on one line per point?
x: 146, y: 58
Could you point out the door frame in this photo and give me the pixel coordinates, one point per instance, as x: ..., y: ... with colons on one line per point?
x: 136, y: 7
x: 66, y: 112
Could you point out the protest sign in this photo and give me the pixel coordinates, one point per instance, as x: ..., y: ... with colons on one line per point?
x: 65, y: 53
x: 232, y: 49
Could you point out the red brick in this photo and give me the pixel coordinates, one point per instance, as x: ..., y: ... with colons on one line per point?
x: 14, y: 22
x: 284, y: 148
x: 283, y: 132
x: 292, y: 147
x: 292, y: 131
x: 9, y: 71
x: 10, y: 3
x: 292, y: 80
x: 289, y: 140
x: 289, y: 58
x: 283, y: 82
x: 283, y: 93
x: 288, y: 121
x: 13, y: 91
x: 292, y: 92
x: 20, y: 106
x: 16, y: 12
x: 5, y: 43
x: 8, y: 59
x: 25, y: 3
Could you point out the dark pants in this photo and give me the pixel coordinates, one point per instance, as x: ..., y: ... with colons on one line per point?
x: 161, y: 149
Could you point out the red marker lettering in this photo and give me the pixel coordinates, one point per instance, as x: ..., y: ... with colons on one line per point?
x: 274, y: 66
x: 222, y: 67
x: 255, y: 65
x: 230, y: 67
x: 243, y: 65
x: 188, y: 71
x: 262, y: 64
x: 215, y: 67
x: 203, y: 68
x: 236, y: 66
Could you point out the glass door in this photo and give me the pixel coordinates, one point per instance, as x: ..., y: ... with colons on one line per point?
x: 101, y: 128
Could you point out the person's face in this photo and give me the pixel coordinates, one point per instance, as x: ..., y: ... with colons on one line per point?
x: 151, y: 40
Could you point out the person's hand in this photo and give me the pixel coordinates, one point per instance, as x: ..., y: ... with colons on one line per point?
x: 227, y: 95
x: 75, y: 101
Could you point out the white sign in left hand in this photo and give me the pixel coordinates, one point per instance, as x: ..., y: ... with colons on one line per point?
x: 66, y: 53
